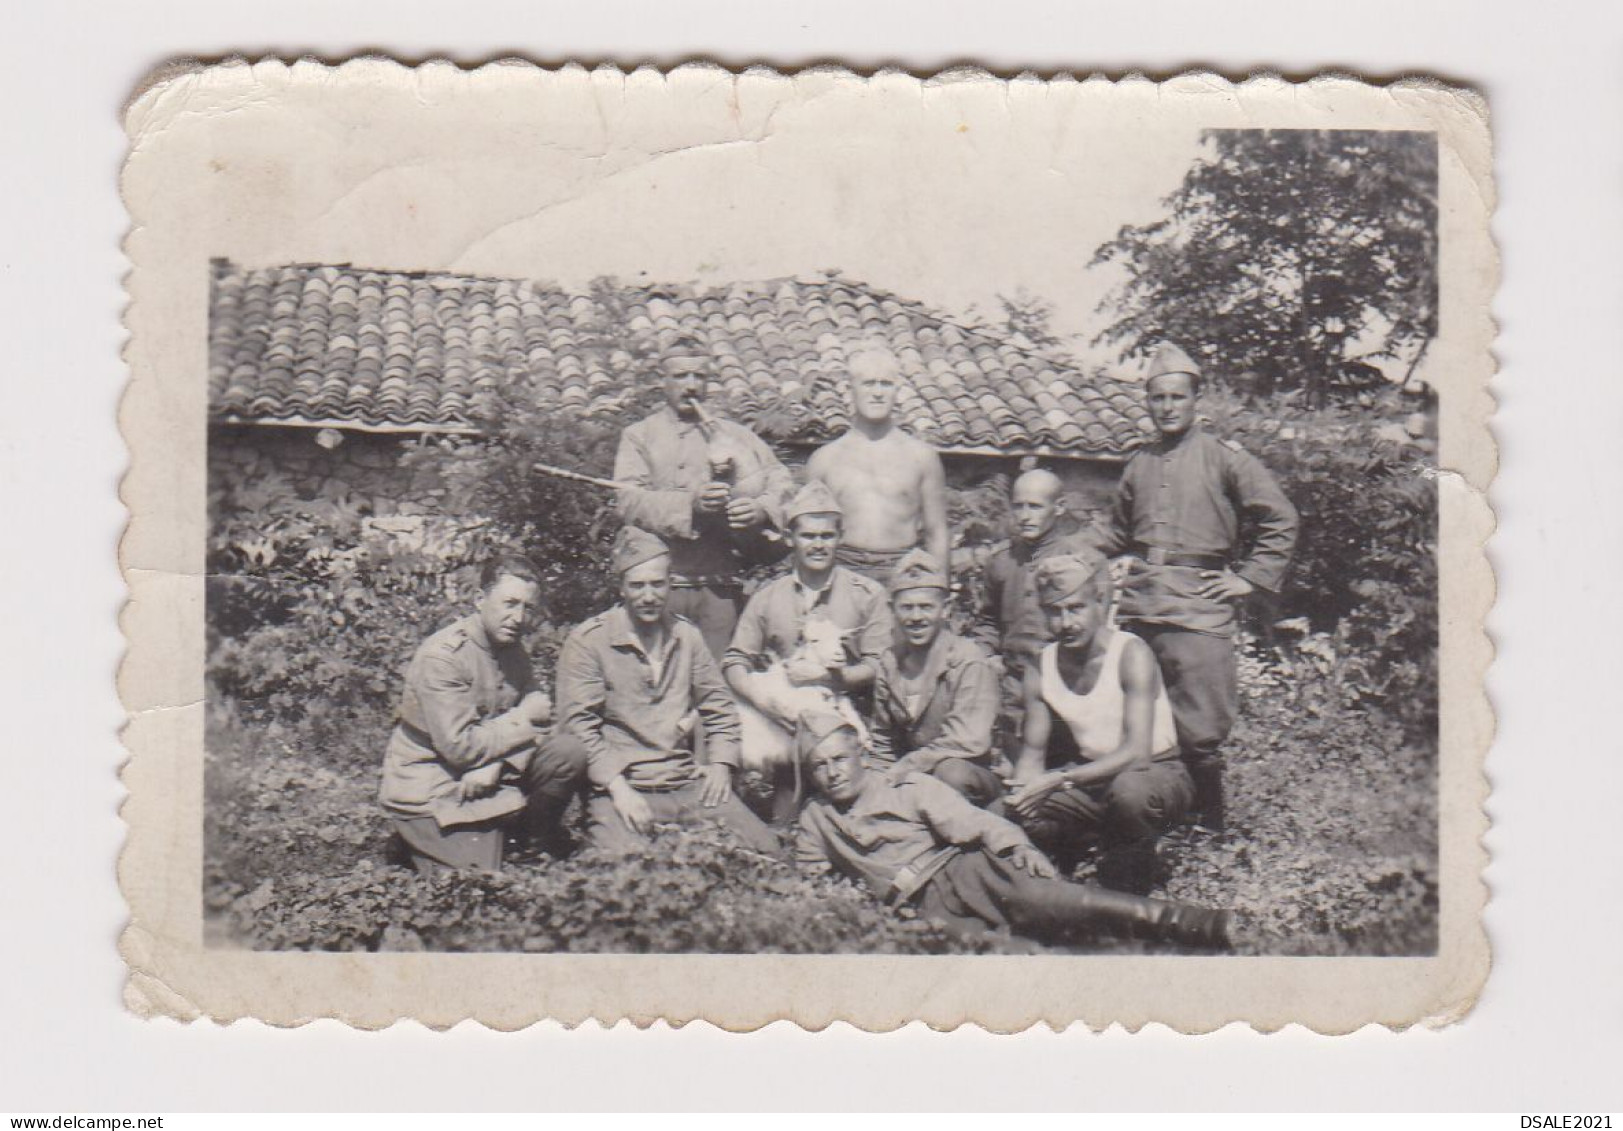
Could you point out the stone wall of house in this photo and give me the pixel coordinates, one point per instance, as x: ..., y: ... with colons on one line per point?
x: 367, y: 465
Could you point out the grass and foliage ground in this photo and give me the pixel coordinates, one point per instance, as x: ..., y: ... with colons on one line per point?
x: 314, y: 608
x: 1331, y: 850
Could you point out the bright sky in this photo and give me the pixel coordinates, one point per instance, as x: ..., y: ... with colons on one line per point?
x: 951, y: 194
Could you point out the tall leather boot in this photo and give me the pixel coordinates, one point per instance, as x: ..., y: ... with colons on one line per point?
x: 542, y: 824
x: 1159, y: 920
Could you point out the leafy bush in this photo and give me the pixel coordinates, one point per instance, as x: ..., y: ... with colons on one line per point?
x: 1363, y: 584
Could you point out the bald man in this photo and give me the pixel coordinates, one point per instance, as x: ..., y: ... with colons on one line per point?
x: 1011, y: 619
x: 890, y: 486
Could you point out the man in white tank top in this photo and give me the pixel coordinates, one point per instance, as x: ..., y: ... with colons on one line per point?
x: 1099, y: 749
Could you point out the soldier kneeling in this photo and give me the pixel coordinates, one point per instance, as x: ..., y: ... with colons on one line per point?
x: 470, y: 753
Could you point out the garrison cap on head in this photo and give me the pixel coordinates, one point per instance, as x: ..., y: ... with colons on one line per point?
x: 814, y: 725
x: 1170, y: 359
x: 917, y: 569
x: 683, y: 345
x: 1063, y: 575
x: 813, y: 498
x: 632, y: 547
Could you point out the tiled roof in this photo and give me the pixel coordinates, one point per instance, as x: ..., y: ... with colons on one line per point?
x: 390, y: 350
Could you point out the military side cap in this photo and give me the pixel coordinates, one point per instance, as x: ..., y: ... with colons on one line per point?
x: 683, y: 346
x: 632, y: 547
x: 814, y: 725
x: 813, y: 498
x: 1170, y: 359
x: 1063, y: 575
x: 917, y: 569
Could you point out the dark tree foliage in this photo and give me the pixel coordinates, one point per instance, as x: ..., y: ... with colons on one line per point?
x: 1279, y: 252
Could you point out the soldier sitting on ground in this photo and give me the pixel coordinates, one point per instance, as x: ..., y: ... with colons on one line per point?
x: 634, y: 684
x: 470, y: 753
x: 1099, y: 750
x: 935, y: 693
x: 912, y: 839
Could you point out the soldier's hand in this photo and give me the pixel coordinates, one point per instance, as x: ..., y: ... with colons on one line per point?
x: 1224, y: 585
x: 632, y: 806
x: 713, y: 498
x: 718, y: 784
x: 1032, y: 862
x: 1026, y: 799
x: 537, y: 706
x: 481, y: 782
x: 744, y: 513
x: 1121, y: 569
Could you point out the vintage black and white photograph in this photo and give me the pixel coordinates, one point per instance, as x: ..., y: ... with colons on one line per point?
x: 793, y: 520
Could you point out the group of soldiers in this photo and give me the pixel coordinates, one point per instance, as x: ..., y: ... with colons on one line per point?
x: 945, y: 772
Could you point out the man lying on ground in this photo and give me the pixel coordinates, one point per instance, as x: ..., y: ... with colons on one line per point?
x: 630, y: 683
x: 470, y: 752
x: 1099, y: 751
x: 890, y: 485
x: 935, y: 694
x: 913, y: 839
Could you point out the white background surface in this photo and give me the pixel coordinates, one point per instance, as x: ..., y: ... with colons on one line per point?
x: 1548, y: 1033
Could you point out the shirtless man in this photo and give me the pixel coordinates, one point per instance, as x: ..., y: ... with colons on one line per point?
x: 890, y: 485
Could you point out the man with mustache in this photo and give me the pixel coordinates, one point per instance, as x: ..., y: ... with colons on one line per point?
x: 470, y: 751
x: 1203, y: 525
x: 1099, y: 752
x: 634, y: 684
x: 709, y: 487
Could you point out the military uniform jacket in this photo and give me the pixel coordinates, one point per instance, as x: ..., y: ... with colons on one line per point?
x: 773, y: 623
x: 898, y: 833
x: 1203, y: 496
x: 632, y: 709
x: 1012, y: 615
x: 667, y: 460
x: 954, y: 713
x: 454, y: 718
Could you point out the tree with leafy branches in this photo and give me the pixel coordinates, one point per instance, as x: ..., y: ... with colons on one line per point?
x: 1283, y: 255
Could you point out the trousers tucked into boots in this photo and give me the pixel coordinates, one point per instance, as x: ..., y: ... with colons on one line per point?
x: 976, y: 890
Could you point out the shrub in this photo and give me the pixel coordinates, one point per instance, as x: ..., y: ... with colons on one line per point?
x: 1362, y: 592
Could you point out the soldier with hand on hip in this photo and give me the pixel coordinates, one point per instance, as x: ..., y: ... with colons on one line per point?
x: 1204, y: 525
